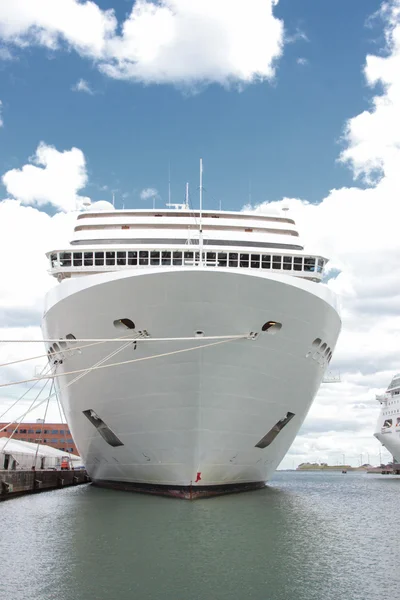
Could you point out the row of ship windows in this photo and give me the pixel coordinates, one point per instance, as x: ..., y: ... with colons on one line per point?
x: 391, y: 412
x: 167, y: 258
x: 395, y: 401
x: 389, y: 422
x: 320, y: 352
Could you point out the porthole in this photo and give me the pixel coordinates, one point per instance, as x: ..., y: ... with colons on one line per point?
x: 316, y: 342
x: 271, y: 327
x: 124, y: 324
x: 199, y: 333
x: 71, y: 338
x: 56, y: 347
x: 63, y: 344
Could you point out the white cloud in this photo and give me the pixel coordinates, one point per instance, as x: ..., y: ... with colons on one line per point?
x: 358, y: 229
x: 53, y: 177
x: 202, y: 40
x: 1, y: 118
x: 373, y: 137
x: 302, y: 61
x: 299, y: 35
x: 170, y: 41
x: 26, y: 234
x: 5, y: 54
x: 81, y: 25
x: 82, y: 86
x: 148, y: 193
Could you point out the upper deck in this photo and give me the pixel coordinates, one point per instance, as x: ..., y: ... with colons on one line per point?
x: 120, y: 239
x: 392, y: 390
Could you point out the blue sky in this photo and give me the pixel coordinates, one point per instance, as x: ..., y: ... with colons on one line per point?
x: 284, y: 136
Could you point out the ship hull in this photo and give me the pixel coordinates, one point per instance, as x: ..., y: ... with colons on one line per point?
x: 179, y: 419
x: 389, y: 437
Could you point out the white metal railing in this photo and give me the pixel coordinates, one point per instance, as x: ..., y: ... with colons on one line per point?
x: 104, y: 260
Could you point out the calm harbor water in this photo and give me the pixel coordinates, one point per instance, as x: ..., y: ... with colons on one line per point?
x: 307, y: 536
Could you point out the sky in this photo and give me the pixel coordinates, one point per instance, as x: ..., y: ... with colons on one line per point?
x: 290, y: 103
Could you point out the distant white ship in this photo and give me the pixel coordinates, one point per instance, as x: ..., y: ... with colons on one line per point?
x: 388, y: 426
x: 187, y: 421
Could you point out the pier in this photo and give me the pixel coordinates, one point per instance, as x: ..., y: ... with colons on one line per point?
x: 17, y: 483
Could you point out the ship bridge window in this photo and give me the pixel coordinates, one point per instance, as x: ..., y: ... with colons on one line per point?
x: 77, y: 259
x: 298, y: 263
x: 53, y: 260
x: 266, y: 261
x: 233, y: 259
x: 222, y: 259
x: 166, y: 258
x: 277, y: 262
x: 320, y: 265
x: 211, y: 259
x: 121, y: 258
x: 287, y: 263
x: 143, y: 258
x: 177, y: 258
x: 154, y: 257
x: 132, y: 258
x: 387, y: 423
x: 99, y: 259
x: 65, y: 259
x: 244, y: 260
x: 309, y: 264
x: 88, y: 259
x: 397, y: 421
x: 110, y: 258
x: 255, y: 261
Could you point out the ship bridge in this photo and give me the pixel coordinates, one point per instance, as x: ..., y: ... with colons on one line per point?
x: 107, y: 240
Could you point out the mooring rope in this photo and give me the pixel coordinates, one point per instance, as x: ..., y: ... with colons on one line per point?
x: 125, y: 362
x: 110, y: 355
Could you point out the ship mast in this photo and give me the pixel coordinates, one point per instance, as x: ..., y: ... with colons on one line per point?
x: 201, y: 214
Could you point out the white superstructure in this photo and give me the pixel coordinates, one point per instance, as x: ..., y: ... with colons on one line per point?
x: 388, y: 426
x: 184, y: 419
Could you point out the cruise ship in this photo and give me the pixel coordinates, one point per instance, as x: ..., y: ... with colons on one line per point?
x: 388, y: 426
x: 187, y: 345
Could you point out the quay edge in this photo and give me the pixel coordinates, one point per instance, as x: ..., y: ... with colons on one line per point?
x: 18, y: 483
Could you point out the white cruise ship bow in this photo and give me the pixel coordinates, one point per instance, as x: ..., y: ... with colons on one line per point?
x: 388, y: 425
x: 194, y: 416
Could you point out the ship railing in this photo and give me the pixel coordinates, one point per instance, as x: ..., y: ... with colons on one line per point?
x: 95, y: 261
